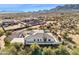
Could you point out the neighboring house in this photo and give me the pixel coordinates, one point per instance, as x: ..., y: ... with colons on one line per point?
x: 2, y: 43
x: 32, y: 22
x: 41, y: 37
x: 9, y: 22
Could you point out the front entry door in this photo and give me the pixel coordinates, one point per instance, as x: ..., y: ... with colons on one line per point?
x: 45, y: 39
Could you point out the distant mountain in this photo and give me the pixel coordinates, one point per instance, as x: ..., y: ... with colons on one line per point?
x: 68, y: 7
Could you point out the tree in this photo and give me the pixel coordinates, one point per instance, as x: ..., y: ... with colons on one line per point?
x: 36, y: 50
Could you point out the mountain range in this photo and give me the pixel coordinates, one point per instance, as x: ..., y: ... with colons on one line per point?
x: 67, y: 7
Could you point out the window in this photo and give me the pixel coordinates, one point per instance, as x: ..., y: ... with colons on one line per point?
x: 49, y: 39
x: 38, y: 39
x: 34, y: 39
x: 45, y: 39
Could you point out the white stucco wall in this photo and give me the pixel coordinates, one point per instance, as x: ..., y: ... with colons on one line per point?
x: 18, y: 40
x: 39, y: 36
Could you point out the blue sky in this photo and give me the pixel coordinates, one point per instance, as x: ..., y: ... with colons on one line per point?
x: 27, y: 7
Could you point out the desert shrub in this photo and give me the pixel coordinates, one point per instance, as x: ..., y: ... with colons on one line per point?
x: 1, y: 32
x: 62, y: 51
x: 8, y: 51
x: 7, y: 41
x: 29, y: 29
x: 18, y: 46
x: 67, y: 38
x: 8, y: 33
x: 75, y: 51
x: 47, y: 51
x: 12, y: 50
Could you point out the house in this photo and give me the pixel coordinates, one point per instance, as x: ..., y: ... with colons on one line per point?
x: 42, y: 37
x: 9, y: 22
x: 32, y: 22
